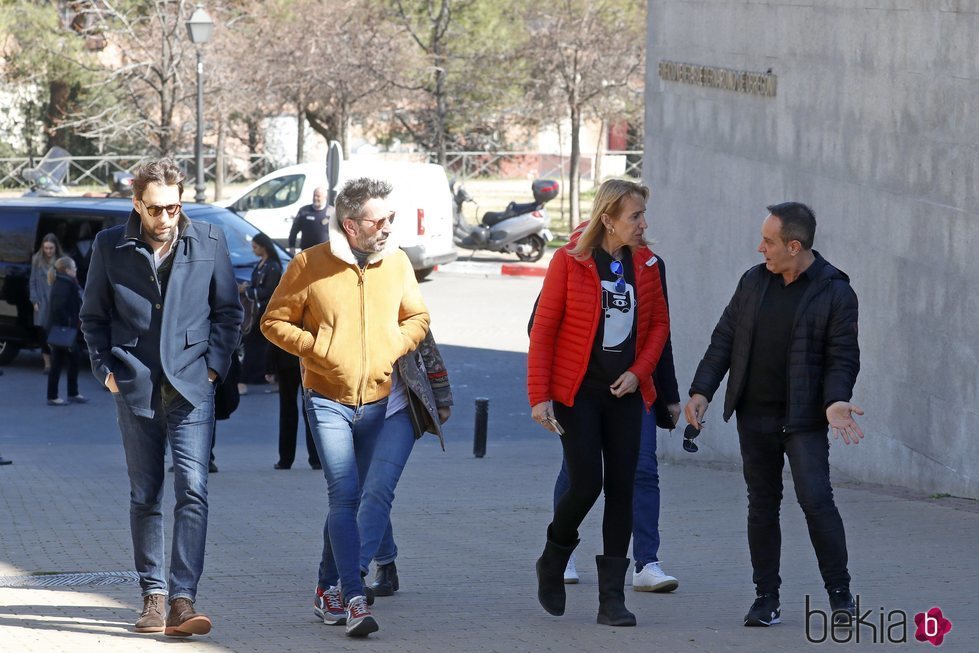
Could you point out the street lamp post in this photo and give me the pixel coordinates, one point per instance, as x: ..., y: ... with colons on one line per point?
x: 199, y: 28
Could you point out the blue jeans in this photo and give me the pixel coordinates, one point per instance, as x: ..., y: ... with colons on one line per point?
x: 394, y: 445
x: 188, y: 429
x: 345, y: 437
x: 645, y: 495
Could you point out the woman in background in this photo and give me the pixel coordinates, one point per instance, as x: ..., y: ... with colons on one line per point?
x: 265, y: 277
x: 64, y: 304
x: 41, y: 264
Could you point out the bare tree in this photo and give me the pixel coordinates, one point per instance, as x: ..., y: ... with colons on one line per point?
x: 463, y: 77
x: 586, y: 52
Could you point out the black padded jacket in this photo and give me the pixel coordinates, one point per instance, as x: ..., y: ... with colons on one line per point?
x: 823, y: 357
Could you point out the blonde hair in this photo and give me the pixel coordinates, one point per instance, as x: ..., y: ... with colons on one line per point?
x: 608, y: 200
x: 62, y: 265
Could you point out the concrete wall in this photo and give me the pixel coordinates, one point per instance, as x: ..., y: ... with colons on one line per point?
x: 876, y: 125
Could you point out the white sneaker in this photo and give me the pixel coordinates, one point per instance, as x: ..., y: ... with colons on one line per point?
x: 570, y: 573
x: 652, y: 579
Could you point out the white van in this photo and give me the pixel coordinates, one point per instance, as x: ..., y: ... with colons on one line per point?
x: 421, y: 197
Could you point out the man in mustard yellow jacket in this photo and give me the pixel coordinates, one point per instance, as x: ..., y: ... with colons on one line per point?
x: 349, y: 308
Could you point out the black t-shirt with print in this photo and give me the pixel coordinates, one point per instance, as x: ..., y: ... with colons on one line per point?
x: 614, y: 348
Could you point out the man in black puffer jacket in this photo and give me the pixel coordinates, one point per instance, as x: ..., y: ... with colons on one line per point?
x: 789, y: 338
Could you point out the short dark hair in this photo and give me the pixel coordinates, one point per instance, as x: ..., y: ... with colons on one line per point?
x: 164, y: 172
x: 356, y: 193
x: 798, y: 222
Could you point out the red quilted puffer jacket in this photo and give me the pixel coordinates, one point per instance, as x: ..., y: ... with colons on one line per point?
x: 566, y: 322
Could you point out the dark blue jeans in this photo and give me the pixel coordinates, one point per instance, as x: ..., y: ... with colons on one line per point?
x: 345, y: 438
x: 394, y: 445
x: 764, y: 448
x: 188, y: 429
x: 645, y: 495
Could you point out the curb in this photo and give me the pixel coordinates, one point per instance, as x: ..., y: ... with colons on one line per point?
x: 492, y: 269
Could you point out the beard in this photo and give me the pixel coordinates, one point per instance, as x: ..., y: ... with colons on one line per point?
x: 372, y: 244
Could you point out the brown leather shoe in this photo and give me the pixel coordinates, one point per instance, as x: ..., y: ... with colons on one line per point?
x: 184, y: 622
x: 151, y: 618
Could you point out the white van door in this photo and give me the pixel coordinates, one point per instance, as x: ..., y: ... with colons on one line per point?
x: 274, y: 202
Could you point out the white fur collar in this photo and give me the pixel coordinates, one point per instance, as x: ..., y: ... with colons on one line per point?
x: 340, y: 246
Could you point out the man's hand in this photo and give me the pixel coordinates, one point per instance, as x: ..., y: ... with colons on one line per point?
x: 110, y: 383
x: 839, y: 416
x: 695, y: 409
x: 674, y: 410
x: 625, y: 384
x: 211, y: 375
x: 543, y: 415
x: 444, y: 413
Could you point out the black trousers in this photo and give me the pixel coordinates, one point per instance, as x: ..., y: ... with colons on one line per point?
x: 290, y: 382
x: 599, y: 430
x: 63, y: 357
x: 763, y: 451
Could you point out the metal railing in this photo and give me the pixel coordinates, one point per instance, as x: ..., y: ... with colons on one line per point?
x: 538, y: 164
x: 97, y: 170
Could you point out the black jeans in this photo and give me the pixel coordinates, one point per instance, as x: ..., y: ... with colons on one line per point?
x: 763, y: 451
x: 599, y: 428
x: 63, y: 357
x: 290, y: 381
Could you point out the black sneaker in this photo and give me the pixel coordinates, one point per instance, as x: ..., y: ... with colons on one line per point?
x: 842, y: 606
x: 765, y: 611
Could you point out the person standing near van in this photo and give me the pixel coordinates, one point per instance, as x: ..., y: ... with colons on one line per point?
x: 65, y: 303
x: 41, y: 264
x: 313, y: 221
x: 162, y: 319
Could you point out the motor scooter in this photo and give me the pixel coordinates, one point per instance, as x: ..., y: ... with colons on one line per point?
x: 520, y: 229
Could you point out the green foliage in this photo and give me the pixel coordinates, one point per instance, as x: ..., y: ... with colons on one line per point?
x: 51, y: 68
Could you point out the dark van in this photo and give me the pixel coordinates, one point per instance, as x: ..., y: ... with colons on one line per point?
x: 75, y: 221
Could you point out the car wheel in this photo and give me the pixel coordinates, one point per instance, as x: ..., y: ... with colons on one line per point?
x: 8, y: 351
x: 422, y: 273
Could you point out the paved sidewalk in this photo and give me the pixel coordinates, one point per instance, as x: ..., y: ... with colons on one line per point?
x: 469, y: 531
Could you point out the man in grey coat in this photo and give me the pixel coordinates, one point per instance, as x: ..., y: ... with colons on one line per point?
x: 161, y: 318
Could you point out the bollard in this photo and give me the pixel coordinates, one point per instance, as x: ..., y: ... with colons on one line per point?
x: 482, y: 418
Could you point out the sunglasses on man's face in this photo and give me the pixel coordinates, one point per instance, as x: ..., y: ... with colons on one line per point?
x: 379, y: 223
x: 618, y: 271
x: 154, y: 210
x: 689, y: 435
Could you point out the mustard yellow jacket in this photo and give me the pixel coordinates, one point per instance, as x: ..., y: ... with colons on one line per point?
x: 348, y: 325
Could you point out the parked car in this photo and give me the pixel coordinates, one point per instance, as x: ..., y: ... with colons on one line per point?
x: 422, y: 202
x: 76, y: 220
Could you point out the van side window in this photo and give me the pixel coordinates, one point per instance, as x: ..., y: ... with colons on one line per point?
x: 17, y: 236
x: 273, y: 194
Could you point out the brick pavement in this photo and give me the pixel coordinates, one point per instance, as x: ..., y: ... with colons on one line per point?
x: 469, y: 531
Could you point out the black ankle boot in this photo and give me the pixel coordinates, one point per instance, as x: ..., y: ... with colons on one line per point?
x: 385, y: 580
x: 550, y: 574
x: 611, y: 592
x: 368, y: 591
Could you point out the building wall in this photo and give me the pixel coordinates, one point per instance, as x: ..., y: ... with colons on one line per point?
x: 875, y: 124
